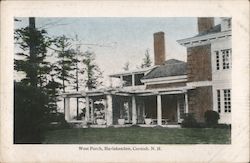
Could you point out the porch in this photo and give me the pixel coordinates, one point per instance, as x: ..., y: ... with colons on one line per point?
x: 123, y: 109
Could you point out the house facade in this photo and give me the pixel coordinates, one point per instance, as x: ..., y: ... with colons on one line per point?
x: 161, y: 94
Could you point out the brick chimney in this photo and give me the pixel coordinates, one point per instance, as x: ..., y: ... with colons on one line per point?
x: 205, y: 24
x: 159, y: 48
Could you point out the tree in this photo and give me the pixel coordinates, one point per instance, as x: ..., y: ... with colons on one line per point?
x: 64, y: 65
x: 93, y: 73
x: 33, y: 44
x: 126, y: 66
x: 146, y: 61
x: 31, y: 99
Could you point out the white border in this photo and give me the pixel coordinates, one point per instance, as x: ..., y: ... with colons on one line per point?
x: 238, y: 151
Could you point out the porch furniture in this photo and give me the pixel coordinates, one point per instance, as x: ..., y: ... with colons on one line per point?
x: 164, y: 121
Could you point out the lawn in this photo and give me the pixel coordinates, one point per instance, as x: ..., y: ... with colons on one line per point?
x: 139, y: 135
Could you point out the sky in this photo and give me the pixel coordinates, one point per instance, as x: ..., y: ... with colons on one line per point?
x: 117, y: 40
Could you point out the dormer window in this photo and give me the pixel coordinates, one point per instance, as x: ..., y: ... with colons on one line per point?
x: 223, y: 59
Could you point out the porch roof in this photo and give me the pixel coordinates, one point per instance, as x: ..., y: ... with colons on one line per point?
x: 126, y: 92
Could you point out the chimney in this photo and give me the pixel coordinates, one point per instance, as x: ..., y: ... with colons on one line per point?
x: 205, y: 24
x: 159, y: 48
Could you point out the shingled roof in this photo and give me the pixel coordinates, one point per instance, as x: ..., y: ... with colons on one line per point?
x: 171, y: 67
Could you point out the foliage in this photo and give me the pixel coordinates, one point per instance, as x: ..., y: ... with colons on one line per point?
x: 33, y: 44
x: 211, y: 118
x: 146, y: 61
x: 30, y: 113
x: 126, y: 66
x: 52, y: 89
x: 189, y: 121
x: 34, y: 95
x: 92, y: 70
x: 64, y: 66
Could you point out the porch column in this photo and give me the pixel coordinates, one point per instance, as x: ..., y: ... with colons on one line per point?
x: 67, y: 109
x: 186, y: 102
x: 133, y: 79
x: 159, y: 111
x: 133, y: 110
x: 178, y: 111
x: 87, y: 109
x: 109, y: 110
x: 92, y: 110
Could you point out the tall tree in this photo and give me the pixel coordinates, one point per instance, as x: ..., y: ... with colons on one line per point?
x: 78, y: 72
x: 64, y: 65
x: 146, y: 60
x: 31, y: 99
x: 33, y: 44
x: 93, y: 73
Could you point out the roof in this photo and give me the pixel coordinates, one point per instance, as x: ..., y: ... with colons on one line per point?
x: 171, y: 67
x: 129, y: 72
x: 215, y: 29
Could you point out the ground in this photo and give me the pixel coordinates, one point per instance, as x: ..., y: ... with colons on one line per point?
x: 138, y: 135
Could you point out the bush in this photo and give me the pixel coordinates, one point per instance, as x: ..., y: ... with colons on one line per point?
x: 189, y: 121
x: 211, y: 118
x: 30, y: 114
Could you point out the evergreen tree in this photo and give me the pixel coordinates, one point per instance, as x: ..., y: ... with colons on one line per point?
x: 33, y: 44
x: 64, y: 65
x: 146, y: 61
x: 31, y: 99
x: 93, y: 73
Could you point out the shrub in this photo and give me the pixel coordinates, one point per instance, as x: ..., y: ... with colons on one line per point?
x: 189, y: 121
x: 211, y: 118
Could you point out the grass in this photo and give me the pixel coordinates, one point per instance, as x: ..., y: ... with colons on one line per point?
x: 139, y: 135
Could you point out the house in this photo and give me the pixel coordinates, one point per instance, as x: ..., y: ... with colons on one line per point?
x: 161, y: 94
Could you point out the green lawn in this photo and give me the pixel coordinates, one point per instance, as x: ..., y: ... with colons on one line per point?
x: 138, y: 135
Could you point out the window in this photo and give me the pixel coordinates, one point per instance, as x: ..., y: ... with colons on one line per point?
x: 223, y: 59
x: 226, y: 58
x: 138, y: 79
x: 224, y: 100
x: 218, y: 101
x: 217, y: 60
x: 127, y: 80
x: 227, y: 100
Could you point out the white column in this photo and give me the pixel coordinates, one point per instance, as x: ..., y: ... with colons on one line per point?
x: 92, y: 110
x: 105, y: 109
x: 159, y: 111
x: 186, y: 102
x: 133, y: 79
x: 67, y: 109
x: 87, y: 109
x: 109, y: 110
x: 178, y: 110
x: 133, y: 110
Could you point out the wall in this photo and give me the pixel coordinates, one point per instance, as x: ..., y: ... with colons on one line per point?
x: 199, y: 63
x: 222, y: 79
x: 200, y: 100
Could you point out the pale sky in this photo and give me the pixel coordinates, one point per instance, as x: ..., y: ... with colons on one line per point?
x: 116, y: 41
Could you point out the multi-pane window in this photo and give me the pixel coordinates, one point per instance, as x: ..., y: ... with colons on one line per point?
x: 224, y: 100
x: 227, y: 100
x: 223, y: 59
x: 218, y: 101
x: 226, y: 58
x: 217, y: 60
